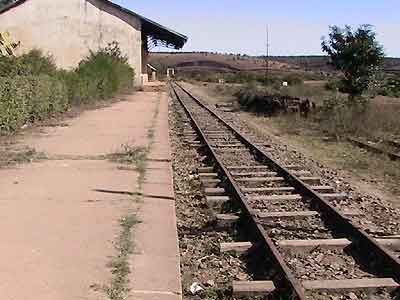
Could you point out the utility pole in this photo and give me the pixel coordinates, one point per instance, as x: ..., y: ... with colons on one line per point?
x: 267, y: 58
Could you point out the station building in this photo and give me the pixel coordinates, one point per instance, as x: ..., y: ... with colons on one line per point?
x: 69, y: 29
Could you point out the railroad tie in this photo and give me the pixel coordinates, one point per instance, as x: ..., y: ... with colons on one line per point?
x: 214, y: 191
x: 238, y: 168
x: 292, y: 215
x: 305, y: 246
x: 226, y: 220
x: 308, y: 245
x: 301, y: 173
x: 217, y: 200
x: 220, y: 136
x: 259, y: 179
x: 364, y: 284
x: 208, y: 175
x: 235, y: 150
x: 196, y: 144
x: 322, y: 188
x: 220, y: 132
x: 311, y: 180
x: 293, y: 167
x: 271, y: 216
x: 255, y: 174
x: 236, y: 247
x: 269, y: 190
x: 205, y: 170
x: 252, y: 288
x: 334, y: 196
x: 226, y: 145
x: 278, y: 198
x: 268, y: 174
x: 210, y: 183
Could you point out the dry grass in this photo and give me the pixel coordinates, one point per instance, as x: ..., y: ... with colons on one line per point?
x: 336, y: 154
x: 379, y: 121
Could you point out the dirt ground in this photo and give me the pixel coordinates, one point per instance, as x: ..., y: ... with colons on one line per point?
x: 61, y: 215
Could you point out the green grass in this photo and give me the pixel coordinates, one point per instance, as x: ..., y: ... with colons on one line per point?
x: 119, y: 265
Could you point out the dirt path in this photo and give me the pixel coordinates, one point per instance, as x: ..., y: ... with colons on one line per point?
x: 60, y: 217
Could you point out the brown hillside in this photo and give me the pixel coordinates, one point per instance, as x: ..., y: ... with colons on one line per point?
x: 205, y: 61
x: 215, y: 62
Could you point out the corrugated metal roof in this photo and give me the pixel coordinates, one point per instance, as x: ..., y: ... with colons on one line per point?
x: 158, y: 33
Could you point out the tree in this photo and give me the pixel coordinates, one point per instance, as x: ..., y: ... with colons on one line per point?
x: 357, y: 54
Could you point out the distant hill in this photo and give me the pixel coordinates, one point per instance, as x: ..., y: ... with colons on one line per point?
x: 198, y: 61
x: 322, y: 62
x: 214, y: 62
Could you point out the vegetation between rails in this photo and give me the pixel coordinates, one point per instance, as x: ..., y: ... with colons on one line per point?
x: 33, y: 89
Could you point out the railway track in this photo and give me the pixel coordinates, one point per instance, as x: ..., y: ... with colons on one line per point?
x: 289, y: 216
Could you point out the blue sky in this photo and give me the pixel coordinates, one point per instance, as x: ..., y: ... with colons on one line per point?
x: 296, y: 26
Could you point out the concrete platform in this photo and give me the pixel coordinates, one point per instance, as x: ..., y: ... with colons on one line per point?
x: 60, y: 217
x: 156, y: 262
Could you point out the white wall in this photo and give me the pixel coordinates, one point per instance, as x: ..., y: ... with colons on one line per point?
x: 69, y: 29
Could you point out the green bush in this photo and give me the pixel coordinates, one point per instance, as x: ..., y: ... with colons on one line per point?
x: 50, y: 97
x: 293, y: 79
x: 335, y: 85
x: 26, y: 99
x: 391, y: 87
x: 32, y: 89
x: 14, y: 102
x: 98, y: 76
x: 31, y: 63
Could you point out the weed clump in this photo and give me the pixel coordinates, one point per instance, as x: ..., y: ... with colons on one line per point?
x: 119, y: 265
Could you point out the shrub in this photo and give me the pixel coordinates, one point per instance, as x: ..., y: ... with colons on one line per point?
x: 31, y: 63
x: 36, y: 63
x: 391, y: 87
x: 293, y: 79
x: 100, y: 75
x: 104, y: 72
x: 50, y: 96
x: 26, y: 99
x: 14, y: 102
x: 32, y: 89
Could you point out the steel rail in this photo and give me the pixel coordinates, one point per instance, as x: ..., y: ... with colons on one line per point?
x: 384, y: 260
x: 290, y: 283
